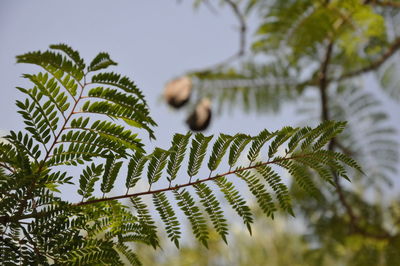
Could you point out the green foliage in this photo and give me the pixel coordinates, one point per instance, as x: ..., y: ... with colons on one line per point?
x: 61, y: 114
x: 178, y: 149
x: 167, y: 214
x: 195, y: 217
x: 88, y: 178
x: 197, y: 153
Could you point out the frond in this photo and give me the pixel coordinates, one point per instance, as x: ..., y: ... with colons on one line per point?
x: 239, y: 143
x: 368, y: 136
x: 111, y: 170
x: 213, y: 208
x: 264, y: 199
x: 88, y: 178
x: 145, y: 220
x: 54, y: 63
x: 197, y: 153
x: 116, y: 80
x: 257, y: 143
x: 101, y: 61
x: 167, y: 214
x: 61, y: 117
x: 135, y: 169
x: 235, y: 201
x: 218, y: 151
x: 128, y: 254
x: 177, y: 154
x: 192, y: 212
x: 73, y: 54
x: 157, y: 162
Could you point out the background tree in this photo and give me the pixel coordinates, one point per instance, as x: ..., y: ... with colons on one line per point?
x: 324, y: 56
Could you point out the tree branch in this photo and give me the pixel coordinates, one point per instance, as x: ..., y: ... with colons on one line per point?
x: 323, y: 86
x: 198, y: 181
x: 385, y: 3
x: 242, y: 26
x: 324, y: 82
x: 4, y: 165
x: 374, y: 65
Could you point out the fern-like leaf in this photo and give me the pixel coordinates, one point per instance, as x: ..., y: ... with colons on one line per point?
x: 264, y: 199
x: 238, y: 145
x: 192, y: 212
x: 177, y: 154
x: 101, y: 61
x: 88, y: 178
x: 157, y: 162
x: 197, y: 153
x: 218, y: 151
x: 167, y: 215
x: 111, y: 170
x: 213, y: 209
x: 145, y: 220
x: 135, y: 169
x: 235, y: 201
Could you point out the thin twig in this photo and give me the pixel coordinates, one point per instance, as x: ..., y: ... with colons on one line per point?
x: 242, y: 40
x: 385, y: 3
x: 198, y: 181
x: 374, y: 65
x: 242, y: 26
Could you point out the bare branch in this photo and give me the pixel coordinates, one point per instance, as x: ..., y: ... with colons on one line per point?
x: 374, y: 65
x: 385, y: 3
x: 242, y: 26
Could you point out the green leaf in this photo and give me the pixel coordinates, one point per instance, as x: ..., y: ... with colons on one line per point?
x: 219, y: 149
x: 111, y: 170
x: 197, y: 153
x: 157, y: 162
x: 213, y: 209
x: 192, y: 212
x: 177, y: 154
x: 168, y: 216
x: 101, y: 61
x: 135, y: 169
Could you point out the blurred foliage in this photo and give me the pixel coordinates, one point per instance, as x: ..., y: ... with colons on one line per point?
x: 334, y: 60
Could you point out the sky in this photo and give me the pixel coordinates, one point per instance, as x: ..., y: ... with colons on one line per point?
x: 153, y: 42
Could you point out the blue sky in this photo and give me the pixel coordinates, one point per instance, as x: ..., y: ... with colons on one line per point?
x: 153, y: 41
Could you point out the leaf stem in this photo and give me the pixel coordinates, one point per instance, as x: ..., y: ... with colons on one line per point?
x: 198, y: 181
